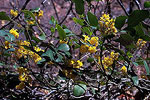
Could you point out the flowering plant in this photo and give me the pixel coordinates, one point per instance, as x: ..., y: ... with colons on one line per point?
x: 99, y: 61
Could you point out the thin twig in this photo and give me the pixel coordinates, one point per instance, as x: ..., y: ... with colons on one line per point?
x: 138, y: 4
x: 55, y: 10
x: 122, y: 6
x: 67, y: 13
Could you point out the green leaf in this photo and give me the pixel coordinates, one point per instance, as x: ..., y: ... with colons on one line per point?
x: 146, y: 67
x: 78, y: 21
x: 145, y: 38
x: 42, y: 37
x: 79, y: 90
x: 49, y: 53
x: 135, y: 80
x: 10, y: 50
x: 40, y: 62
x: 63, y: 47
x: 36, y: 9
x: 27, y: 12
x: 129, y: 54
x: 60, y: 58
x: 86, y: 30
x: 139, y: 30
x: 52, y: 21
x: 79, y: 6
x: 67, y: 31
x: 61, y: 32
x: 93, y: 90
x: 125, y: 39
x: 92, y: 19
x: 136, y: 17
x: 120, y: 21
x: 135, y: 64
x: 36, y: 39
x: 1, y: 64
x: 3, y: 16
x: 15, y: 66
x: 147, y: 4
x: 52, y: 29
x: 139, y: 61
x: 7, y: 35
x: 90, y: 59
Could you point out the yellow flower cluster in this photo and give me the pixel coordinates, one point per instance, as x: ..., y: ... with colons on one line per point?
x: 7, y: 45
x: 14, y: 32
x: 39, y: 14
x: 23, y: 77
x: 107, y: 25
x: 140, y: 43
x: 22, y: 52
x: 86, y: 48
x: 21, y: 43
x: 14, y: 12
x: 124, y: 69
x: 37, y: 49
x: 75, y: 64
x: 108, y: 61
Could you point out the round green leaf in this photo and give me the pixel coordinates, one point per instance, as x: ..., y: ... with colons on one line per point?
x: 79, y: 90
x: 63, y: 47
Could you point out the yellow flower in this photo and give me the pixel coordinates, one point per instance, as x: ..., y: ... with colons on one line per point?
x: 94, y: 41
x: 62, y: 42
x: 114, y: 55
x: 98, y: 58
x: 30, y: 22
x: 124, y: 69
x: 92, y: 49
x: 86, y: 38
x: 140, y: 43
x: 50, y: 63
x: 83, y: 48
x: 22, y: 77
x: 107, y: 61
x: 21, y: 51
x: 36, y: 57
x: 14, y: 12
x: 22, y: 70
x: 23, y: 43
x: 40, y: 13
x: 78, y: 64
x: 20, y: 86
x: 107, y: 25
x: 37, y: 49
x: 14, y: 32
x: 7, y: 44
